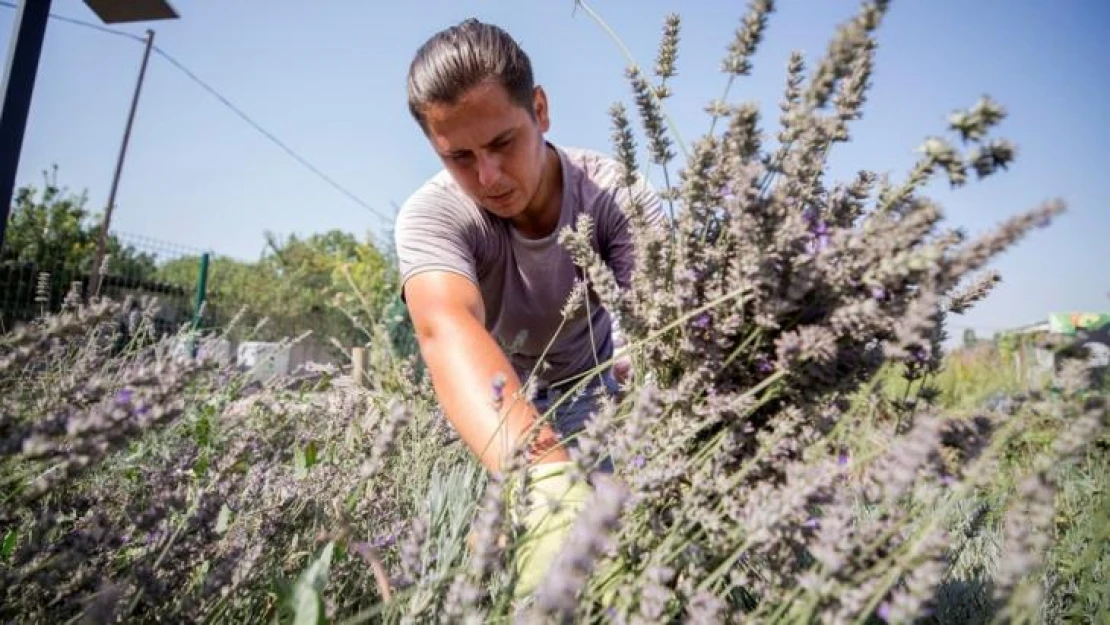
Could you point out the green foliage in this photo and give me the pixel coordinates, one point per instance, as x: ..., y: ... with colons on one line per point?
x: 50, y: 244
x: 53, y: 229
x: 970, y: 338
x: 330, y: 283
x: 298, y: 285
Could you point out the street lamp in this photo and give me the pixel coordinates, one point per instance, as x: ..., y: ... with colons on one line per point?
x: 28, y: 32
x: 120, y: 11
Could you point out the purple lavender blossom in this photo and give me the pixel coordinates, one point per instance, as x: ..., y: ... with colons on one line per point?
x: 498, y: 387
x: 820, y: 240
x: 386, y: 540
x: 884, y: 611
x: 702, y: 321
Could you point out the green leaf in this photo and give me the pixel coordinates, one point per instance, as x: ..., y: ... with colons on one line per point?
x: 300, y: 463
x: 223, y: 520
x: 310, y: 453
x: 8, y: 546
x: 308, y: 605
x: 304, y: 459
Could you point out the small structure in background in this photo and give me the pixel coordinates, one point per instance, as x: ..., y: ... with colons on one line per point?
x: 1039, y: 347
x: 265, y: 360
x: 1090, y: 332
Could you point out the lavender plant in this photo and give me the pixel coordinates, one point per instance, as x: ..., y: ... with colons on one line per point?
x: 774, y: 298
x: 161, y: 485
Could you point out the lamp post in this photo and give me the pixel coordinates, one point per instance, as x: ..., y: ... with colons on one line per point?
x: 28, y: 33
x: 19, y: 81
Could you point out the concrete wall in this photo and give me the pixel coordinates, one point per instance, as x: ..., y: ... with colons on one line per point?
x: 266, y: 359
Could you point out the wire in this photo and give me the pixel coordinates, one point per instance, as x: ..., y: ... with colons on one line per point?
x: 223, y: 100
x: 265, y: 132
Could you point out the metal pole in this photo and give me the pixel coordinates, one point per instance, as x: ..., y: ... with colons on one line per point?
x: 199, y: 302
x: 28, y: 33
x: 201, y: 296
x: 106, y: 222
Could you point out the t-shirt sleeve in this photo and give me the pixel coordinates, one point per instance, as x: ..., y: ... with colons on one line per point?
x: 432, y: 233
x: 620, y: 251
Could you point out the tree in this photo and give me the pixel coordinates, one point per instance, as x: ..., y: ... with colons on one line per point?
x: 970, y: 338
x: 330, y: 283
x: 50, y: 231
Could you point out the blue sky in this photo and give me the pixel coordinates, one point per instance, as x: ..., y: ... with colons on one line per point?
x: 327, y: 78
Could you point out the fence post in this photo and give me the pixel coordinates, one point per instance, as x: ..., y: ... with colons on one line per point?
x: 358, y: 365
x: 201, y: 298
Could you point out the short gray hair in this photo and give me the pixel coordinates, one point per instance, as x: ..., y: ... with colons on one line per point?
x: 463, y: 56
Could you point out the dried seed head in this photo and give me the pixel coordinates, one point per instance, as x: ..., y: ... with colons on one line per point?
x: 748, y: 36
x: 624, y: 142
x: 962, y: 301
x: 652, y: 118
x: 973, y: 124
x: 668, y: 47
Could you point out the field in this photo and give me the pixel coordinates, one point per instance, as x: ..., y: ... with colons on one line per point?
x: 796, y: 445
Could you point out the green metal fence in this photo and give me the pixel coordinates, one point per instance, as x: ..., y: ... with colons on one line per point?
x: 36, y: 280
x: 195, y: 289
